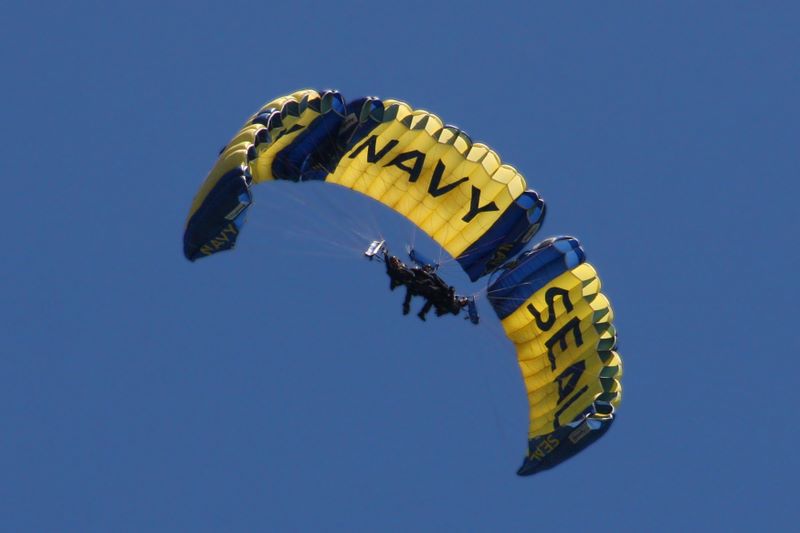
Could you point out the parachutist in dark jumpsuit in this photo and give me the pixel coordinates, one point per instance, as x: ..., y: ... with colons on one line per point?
x: 429, y: 286
x: 437, y: 293
x: 452, y: 303
x: 400, y: 274
x: 426, y: 283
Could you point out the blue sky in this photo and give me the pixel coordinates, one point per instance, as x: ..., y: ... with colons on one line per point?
x: 278, y: 388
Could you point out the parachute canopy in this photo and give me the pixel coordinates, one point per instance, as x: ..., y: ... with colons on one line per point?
x: 477, y: 208
x: 457, y: 191
x: 551, y: 307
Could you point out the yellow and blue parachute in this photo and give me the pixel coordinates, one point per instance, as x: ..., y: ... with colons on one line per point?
x: 475, y: 207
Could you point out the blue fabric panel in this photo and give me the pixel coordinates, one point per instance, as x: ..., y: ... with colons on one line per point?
x: 317, y: 151
x: 533, y: 270
x: 370, y: 113
x: 263, y: 118
x: 214, y: 225
x: 420, y: 259
x: 507, y: 236
x: 297, y: 160
x: 357, y: 122
x: 558, y: 446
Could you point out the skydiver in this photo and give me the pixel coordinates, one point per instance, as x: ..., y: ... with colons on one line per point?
x: 431, y: 287
x: 452, y: 304
x: 425, y: 309
x: 399, y: 273
x: 418, y: 282
x: 422, y: 281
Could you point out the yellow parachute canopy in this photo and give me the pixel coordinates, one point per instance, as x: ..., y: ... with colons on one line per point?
x: 472, y: 204
x: 459, y: 192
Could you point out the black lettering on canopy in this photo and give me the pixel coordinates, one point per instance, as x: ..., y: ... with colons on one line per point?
x: 434, y: 189
x: 413, y: 171
x: 568, y: 380
x: 373, y: 154
x: 560, y: 338
x: 474, y: 205
x: 556, y: 421
x: 412, y: 162
x: 550, y: 298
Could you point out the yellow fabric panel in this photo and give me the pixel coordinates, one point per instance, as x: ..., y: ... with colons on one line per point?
x: 477, y: 153
x: 531, y: 351
x: 458, y: 166
x: 244, y: 136
x: 414, y: 193
x: 544, y: 402
x: 581, y: 366
x: 235, y: 153
x: 301, y: 97
x: 616, y: 398
x: 581, y: 282
x: 611, y: 379
x: 521, y: 328
x: 440, y: 215
x: 543, y: 387
x: 536, y: 370
x: 349, y: 170
x: 232, y: 157
x: 614, y: 366
x: 448, y: 205
x: 543, y: 383
x: 261, y: 166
